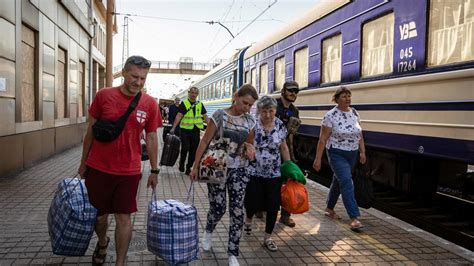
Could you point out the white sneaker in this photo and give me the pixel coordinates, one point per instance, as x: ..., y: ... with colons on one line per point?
x: 206, y: 241
x: 233, y: 261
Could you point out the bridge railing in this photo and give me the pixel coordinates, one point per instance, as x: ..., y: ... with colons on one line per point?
x: 175, y: 65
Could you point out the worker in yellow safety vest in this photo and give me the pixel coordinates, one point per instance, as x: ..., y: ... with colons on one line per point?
x: 191, y: 117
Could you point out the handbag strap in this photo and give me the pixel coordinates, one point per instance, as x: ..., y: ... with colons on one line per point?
x: 133, y: 104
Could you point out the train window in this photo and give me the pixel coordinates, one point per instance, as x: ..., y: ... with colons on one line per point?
x: 254, y: 77
x: 377, y: 46
x: 451, y: 34
x: 224, y: 88
x: 279, y: 73
x: 247, y: 76
x: 331, y: 61
x: 301, y: 67
x: 263, y: 79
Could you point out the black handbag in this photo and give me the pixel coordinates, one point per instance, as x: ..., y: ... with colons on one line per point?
x: 106, y: 130
x: 363, y: 189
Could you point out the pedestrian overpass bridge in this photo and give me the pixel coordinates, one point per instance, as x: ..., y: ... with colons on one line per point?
x: 173, y: 67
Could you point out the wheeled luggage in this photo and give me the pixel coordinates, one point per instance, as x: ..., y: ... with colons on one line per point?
x: 170, y: 151
x: 172, y: 230
x: 166, y: 131
x: 71, y: 218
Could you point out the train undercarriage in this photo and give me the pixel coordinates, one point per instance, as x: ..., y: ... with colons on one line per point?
x: 434, y: 194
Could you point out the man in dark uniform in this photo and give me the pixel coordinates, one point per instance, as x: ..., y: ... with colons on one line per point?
x: 287, y: 112
x: 191, y: 117
x: 172, y: 112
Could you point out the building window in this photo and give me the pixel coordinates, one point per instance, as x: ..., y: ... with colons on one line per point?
x: 264, y: 79
x: 451, y: 32
x: 61, y: 92
x: 301, y: 67
x: 377, y: 46
x: 28, y: 75
x: 279, y: 73
x: 331, y: 61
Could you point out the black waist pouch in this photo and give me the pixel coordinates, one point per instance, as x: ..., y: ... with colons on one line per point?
x: 106, y: 130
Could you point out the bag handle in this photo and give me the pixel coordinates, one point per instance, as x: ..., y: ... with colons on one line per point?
x: 191, y: 188
x: 82, y: 192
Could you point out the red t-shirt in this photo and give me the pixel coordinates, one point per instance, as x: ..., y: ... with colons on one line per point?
x: 122, y: 156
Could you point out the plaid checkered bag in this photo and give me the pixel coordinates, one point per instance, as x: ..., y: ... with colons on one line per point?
x: 172, y: 230
x: 71, y: 218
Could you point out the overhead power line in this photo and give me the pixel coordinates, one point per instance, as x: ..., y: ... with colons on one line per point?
x: 238, y: 33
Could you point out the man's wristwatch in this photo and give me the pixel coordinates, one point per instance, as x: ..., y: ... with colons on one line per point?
x: 155, y: 171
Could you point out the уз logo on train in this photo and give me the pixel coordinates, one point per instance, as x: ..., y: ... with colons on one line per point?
x: 408, y: 30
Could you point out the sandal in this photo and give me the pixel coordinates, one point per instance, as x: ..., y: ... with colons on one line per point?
x: 356, y: 225
x: 270, y: 245
x: 248, y: 229
x: 332, y: 215
x: 100, y: 253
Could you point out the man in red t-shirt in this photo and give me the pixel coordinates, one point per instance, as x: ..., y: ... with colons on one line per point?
x: 113, y: 169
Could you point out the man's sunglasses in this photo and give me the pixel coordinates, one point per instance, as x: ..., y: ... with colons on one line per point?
x: 140, y: 61
x: 295, y: 91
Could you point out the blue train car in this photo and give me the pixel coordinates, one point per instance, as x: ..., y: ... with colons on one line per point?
x: 217, y: 86
x: 409, y: 65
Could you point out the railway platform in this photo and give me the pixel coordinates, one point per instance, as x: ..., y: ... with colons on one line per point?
x: 25, y: 198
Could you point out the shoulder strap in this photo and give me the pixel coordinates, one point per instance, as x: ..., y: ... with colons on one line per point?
x: 130, y: 109
x: 355, y: 112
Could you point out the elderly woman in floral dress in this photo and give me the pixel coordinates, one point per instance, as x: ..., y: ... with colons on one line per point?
x: 263, y: 190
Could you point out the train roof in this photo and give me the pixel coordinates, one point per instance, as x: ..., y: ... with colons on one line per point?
x: 222, y: 65
x: 323, y: 8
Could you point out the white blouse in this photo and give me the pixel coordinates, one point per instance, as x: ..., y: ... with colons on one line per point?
x: 346, y: 130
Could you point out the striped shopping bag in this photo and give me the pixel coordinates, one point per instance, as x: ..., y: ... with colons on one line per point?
x: 172, y: 230
x: 71, y: 218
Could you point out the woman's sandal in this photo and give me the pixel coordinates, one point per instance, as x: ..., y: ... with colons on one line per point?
x: 248, y: 229
x: 332, y: 215
x: 270, y: 245
x: 100, y: 253
x: 356, y: 225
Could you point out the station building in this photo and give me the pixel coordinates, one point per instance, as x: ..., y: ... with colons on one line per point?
x: 52, y: 62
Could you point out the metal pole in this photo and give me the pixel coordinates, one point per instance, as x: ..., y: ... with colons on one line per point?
x: 108, y: 51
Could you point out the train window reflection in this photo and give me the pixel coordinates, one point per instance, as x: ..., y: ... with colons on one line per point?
x: 263, y: 79
x: 451, y: 32
x: 301, y: 67
x: 377, y: 49
x: 254, y: 77
x: 331, y: 61
x: 279, y: 73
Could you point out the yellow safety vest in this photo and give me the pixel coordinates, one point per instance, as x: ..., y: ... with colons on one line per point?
x: 190, y: 119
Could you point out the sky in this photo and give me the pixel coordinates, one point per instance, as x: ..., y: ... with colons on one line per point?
x: 166, y: 30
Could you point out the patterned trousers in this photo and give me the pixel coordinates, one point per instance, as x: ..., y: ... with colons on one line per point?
x: 235, y: 185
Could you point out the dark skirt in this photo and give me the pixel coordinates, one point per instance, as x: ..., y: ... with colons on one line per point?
x: 263, y: 194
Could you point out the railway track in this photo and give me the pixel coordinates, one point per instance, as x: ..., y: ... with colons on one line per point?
x: 441, y: 215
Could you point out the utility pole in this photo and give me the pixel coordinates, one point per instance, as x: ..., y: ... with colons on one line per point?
x: 125, y: 40
x: 108, y: 49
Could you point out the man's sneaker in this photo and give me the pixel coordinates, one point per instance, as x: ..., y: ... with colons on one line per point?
x: 233, y: 261
x: 287, y: 221
x: 206, y: 241
x: 188, y: 171
x: 181, y: 168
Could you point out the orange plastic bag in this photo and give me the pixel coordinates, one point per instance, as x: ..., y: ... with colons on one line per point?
x: 294, y: 197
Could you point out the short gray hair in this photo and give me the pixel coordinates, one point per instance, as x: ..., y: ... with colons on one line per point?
x: 266, y: 102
